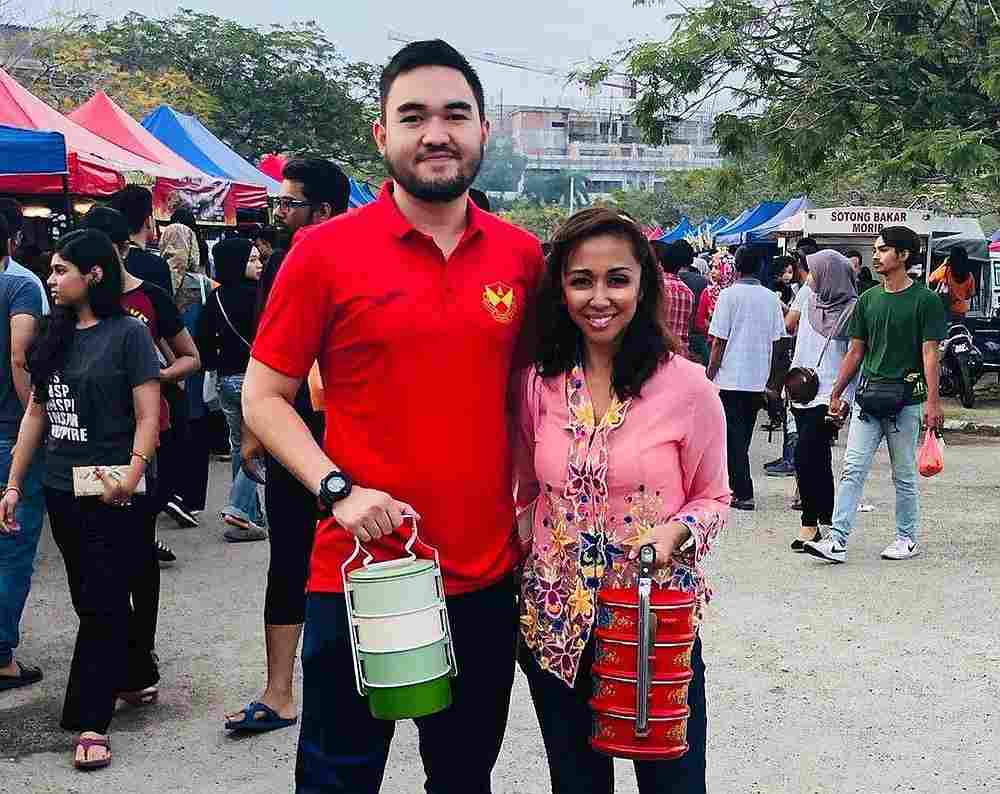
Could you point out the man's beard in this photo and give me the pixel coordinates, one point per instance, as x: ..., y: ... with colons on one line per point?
x: 437, y: 191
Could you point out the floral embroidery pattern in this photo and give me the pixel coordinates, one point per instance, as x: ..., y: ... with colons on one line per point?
x: 587, y: 549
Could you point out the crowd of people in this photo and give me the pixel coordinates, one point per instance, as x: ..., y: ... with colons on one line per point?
x: 609, y: 393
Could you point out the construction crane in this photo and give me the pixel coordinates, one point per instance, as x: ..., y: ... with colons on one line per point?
x: 517, y: 63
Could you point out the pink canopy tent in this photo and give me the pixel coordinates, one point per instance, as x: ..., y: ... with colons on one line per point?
x: 95, y: 166
x: 103, y: 117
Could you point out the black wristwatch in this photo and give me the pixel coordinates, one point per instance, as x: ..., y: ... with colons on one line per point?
x: 335, y: 487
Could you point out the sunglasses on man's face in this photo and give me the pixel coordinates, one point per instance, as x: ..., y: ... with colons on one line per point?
x: 287, y: 204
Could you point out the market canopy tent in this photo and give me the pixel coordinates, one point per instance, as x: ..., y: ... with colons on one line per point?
x: 31, y: 152
x: 211, y: 199
x: 680, y: 231
x: 361, y: 194
x: 190, y: 139
x: 733, y: 234
x: 769, y: 229
x: 94, y: 166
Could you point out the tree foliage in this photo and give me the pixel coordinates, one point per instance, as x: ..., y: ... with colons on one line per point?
x: 542, y: 221
x: 502, y: 166
x: 894, y: 95
x: 286, y: 88
x: 545, y: 187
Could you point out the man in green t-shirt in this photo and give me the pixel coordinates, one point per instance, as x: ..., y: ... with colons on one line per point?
x: 895, y: 332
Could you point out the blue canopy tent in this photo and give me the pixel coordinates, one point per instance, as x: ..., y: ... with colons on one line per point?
x: 767, y: 229
x: 31, y: 152
x: 189, y: 138
x: 361, y: 194
x: 678, y: 232
x: 734, y: 233
x: 737, y: 221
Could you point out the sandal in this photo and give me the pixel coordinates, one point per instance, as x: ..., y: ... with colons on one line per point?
x: 271, y: 721
x: 26, y: 676
x: 140, y: 697
x: 86, y: 743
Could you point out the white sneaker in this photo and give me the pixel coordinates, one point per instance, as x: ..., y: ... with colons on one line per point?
x: 901, y: 549
x: 827, y: 549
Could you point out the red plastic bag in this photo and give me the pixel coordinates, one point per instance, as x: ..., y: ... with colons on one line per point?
x: 930, y: 459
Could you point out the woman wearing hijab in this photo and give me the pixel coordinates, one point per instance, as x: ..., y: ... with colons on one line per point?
x: 722, y: 274
x: 225, y: 333
x: 823, y: 324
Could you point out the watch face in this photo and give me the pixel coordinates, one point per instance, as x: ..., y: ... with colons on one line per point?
x: 337, y: 484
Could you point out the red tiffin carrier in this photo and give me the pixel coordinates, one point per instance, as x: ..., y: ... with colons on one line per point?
x: 642, y: 669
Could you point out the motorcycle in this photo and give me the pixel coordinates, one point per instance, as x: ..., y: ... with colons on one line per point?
x: 961, y: 365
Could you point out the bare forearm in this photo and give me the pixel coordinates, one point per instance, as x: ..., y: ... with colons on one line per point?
x: 715, y: 357
x: 932, y: 372
x: 22, y: 381
x: 848, y: 370
x: 147, y: 431
x: 279, y: 428
x: 180, y: 369
x: 33, y: 428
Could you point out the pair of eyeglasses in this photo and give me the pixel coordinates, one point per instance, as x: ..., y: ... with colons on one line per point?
x: 291, y: 204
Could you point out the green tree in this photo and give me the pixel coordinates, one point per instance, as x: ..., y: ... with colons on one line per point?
x: 502, y: 166
x: 546, y: 187
x: 282, y: 89
x: 896, y: 95
x: 647, y: 207
x: 541, y: 221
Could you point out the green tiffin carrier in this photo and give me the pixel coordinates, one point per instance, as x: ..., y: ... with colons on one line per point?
x: 400, y: 636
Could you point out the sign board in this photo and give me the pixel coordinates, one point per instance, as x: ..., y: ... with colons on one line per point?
x: 869, y: 222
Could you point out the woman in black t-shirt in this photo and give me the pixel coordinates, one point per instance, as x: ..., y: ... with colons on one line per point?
x: 96, y: 402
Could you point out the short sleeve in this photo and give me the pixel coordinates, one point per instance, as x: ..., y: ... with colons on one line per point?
x: 934, y: 323
x: 141, y: 362
x: 778, y: 319
x: 168, y: 319
x: 24, y: 298
x: 722, y: 319
x: 858, y: 326
x: 801, y: 299
x: 299, y: 309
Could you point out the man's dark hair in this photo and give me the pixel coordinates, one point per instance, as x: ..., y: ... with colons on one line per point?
x: 645, y: 344
x: 854, y: 252
x: 958, y: 261
x: 748, y: 261
x: 673, y: 256
x: 135, y: 203
x: 4, y: 236
x: 322, y: 182
x: 266, y: 233
x: 480, y: 199
x: 107, y: 220
x: 10, y: 209
x: 434, y: 52
x: 807, y: 245
x: 903, y: 238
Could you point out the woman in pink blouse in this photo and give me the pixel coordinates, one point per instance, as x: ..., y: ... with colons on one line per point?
x: 620, y: 443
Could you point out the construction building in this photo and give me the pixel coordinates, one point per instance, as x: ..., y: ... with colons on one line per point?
x: 604, y: 145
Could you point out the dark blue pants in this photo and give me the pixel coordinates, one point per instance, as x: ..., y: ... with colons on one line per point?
x: 565, y: 719
x: 342, y: 748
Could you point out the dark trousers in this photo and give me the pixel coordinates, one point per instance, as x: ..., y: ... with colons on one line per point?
x: 564, y: 717
x: 814, y: 465
x: 291, y: 516
x: 342, y: 748
x: 105, y: 549
x: 741, y: 409
x: 192, y: 479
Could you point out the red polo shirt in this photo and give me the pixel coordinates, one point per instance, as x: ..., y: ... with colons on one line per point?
x: 416, y: 353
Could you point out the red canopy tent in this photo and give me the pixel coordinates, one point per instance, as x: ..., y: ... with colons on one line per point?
x: 95, y: 167
x: 103, y: 117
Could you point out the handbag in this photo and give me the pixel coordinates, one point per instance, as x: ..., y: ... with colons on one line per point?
x: 802, y: 383
x: 87, y: 483
x: 884, y: 399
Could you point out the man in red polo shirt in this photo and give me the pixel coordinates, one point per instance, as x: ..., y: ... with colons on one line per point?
x: 414, y: 308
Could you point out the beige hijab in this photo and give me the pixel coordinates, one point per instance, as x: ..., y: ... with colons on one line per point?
x: 179, y: 247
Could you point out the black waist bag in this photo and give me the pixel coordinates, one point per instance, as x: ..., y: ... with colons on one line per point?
x: 884, y: 399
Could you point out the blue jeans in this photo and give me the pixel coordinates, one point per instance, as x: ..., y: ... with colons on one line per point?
x: 243, y: 500
x: 863, y: 441
x: 17, y: 551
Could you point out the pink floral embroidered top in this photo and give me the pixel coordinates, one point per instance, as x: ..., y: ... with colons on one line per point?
x: 599, y: 488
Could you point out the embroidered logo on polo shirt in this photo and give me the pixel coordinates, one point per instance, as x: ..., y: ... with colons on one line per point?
x: 498, y: 300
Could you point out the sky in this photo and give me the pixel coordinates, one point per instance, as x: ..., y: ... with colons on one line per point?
x: 558, y: 34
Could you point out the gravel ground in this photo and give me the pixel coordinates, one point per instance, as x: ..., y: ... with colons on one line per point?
x: 869, y: 677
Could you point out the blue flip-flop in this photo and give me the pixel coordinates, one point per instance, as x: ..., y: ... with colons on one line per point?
x: 271, y: 721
